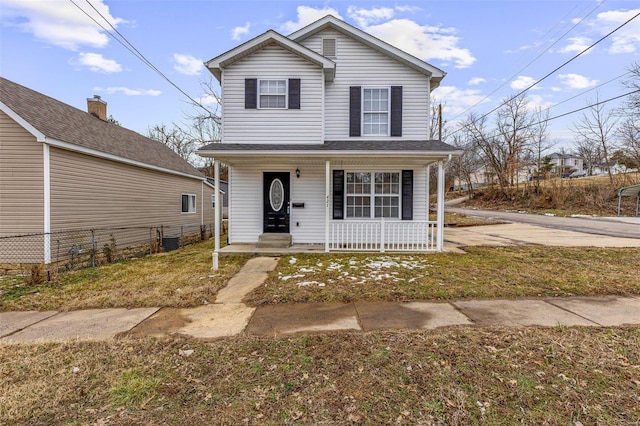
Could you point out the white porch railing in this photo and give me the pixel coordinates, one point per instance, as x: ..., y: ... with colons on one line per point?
x: 382, y: 235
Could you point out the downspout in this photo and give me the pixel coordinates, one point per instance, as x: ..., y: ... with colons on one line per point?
x: 46, y: 160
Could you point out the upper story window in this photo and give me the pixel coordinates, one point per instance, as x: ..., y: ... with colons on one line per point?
x: 272, y: 94
x: 375, y: 112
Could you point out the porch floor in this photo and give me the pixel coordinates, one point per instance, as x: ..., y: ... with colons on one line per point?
x: 310, y: 249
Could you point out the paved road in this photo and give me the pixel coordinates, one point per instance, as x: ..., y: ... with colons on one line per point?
x: 625, y: 228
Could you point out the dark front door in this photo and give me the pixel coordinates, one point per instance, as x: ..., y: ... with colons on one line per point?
x: 276, y: 201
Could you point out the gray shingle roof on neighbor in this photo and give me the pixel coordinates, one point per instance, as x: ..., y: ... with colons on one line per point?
x: 65, y: 123
x: 349, y: 145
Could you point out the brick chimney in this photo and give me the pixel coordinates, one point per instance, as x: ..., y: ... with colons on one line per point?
x: 97, y: 107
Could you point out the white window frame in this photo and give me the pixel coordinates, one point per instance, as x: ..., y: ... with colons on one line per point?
x: 286, y: 93
x: 363, y: 112
x: 372, y: 194
x: 191, y: 203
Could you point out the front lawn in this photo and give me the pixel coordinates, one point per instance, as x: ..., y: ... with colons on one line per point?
x: 179, y: 278
x: 484, y: 272
x: 452, y: 376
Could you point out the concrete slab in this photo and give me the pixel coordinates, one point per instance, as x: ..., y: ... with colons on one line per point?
x: 90, y: 324
x: 214, y: 321
x: 11, y: 322
x: 519, y: 233
x: 468, y: 236
x: 239, y: 286
x: 259, y: 264
x: 412, y: 315
x: 530, y: 312
x: 303, y: 318
x: 606, y: 311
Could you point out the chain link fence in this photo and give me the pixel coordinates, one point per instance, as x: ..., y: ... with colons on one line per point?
x: 82, y: 248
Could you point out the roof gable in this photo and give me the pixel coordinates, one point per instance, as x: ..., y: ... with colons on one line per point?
x: 330, y: 21
x: 218, y: 63
x: 53, y: 121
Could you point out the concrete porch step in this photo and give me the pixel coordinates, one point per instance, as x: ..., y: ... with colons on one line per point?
x: 274, y: 240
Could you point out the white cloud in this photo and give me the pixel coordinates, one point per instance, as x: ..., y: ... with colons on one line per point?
x: 307, y: 15
x: 538, y: 102
x: 187, y: 64
x: 128, y: 92
x: 97, y: 62
x: 522, y: 82
x: 627, y: 38
x: 238, y: 32
x: 59, y: 22
x: 366, y: 17
x: 208, y: 99
x: 476, y: 81
x: 576, y: 45
x: 576, y: 81
x: 424, y: 42
x: 456, y: 101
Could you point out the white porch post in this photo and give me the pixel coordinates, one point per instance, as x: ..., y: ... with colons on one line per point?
x: 428, y: 190
x: 218, y: 200
x: 327, y: 204
x: 440, y: 208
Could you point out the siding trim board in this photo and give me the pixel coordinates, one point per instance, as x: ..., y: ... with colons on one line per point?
x: 22, y: 122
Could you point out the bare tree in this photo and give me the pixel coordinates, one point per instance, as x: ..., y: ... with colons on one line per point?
x: 176, y: 138
x: 539, y: 145
x: 629, y: 129
x: 597, y: 127
x: 503, y: 147
x: 589, y: 151
x: 462, y: 167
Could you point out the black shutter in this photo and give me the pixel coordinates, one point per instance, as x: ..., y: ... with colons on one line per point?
x: 294, y: 93
x: 338, y: 194
x: 396, y: 110
x: 355, y: 100
x: 407, y: 195
x: 250, y: 93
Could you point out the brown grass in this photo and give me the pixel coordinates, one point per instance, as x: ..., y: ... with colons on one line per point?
x: 590, y: 195
x: 454, y: 376
x: 484, y: 272
x: 180, y: 278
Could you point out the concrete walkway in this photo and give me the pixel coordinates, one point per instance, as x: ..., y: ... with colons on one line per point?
x: 229, y: 316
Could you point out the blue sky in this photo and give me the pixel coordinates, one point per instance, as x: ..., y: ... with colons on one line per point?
x: 489, y: 49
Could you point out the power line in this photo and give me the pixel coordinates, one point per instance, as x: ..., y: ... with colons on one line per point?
x: 556, y: 69
x: 133, y: 50
x: 530, y: 62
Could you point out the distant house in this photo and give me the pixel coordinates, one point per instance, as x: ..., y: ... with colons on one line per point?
x: 566, y: 163
x: 615, y: 167
x: 62, y: 169
x: 224, y: 192
x: 326, y: 135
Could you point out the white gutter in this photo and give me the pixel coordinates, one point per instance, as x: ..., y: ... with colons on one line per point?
x: 47, y: 202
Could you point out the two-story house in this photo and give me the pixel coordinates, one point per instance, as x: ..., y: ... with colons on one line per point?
x: 325, y: 133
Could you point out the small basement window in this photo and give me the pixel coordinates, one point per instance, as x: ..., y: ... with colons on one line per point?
x: 188, y: 203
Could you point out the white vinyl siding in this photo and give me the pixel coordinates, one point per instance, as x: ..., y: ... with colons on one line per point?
x: 246, y: 203
x: 360, y: 65
x: 260, y: 125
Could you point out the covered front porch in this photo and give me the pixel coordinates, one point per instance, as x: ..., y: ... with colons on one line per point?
x: 326, y: 213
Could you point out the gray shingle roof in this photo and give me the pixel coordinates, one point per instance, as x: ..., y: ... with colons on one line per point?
x: 348, y: 145
x: 65, y: 123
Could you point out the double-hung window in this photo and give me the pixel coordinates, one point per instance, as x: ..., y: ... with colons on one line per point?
x: 272, y: 94
x: 375, y: 111
x: 188, y: 203
x: 373, y: 194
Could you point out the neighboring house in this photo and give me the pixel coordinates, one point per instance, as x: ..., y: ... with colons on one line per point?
x: 566, y: 163
x: 615, y: 167
x: 224, y: 192
x: 63, y: 169
x: 325, y: 133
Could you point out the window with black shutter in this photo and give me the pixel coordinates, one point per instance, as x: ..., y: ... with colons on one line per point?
x: 251, y: 93
x: 407, y: 195
x: 294, y: 93
x: 396, y: 110
x: 338, y: 194
x: 355, y: 107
